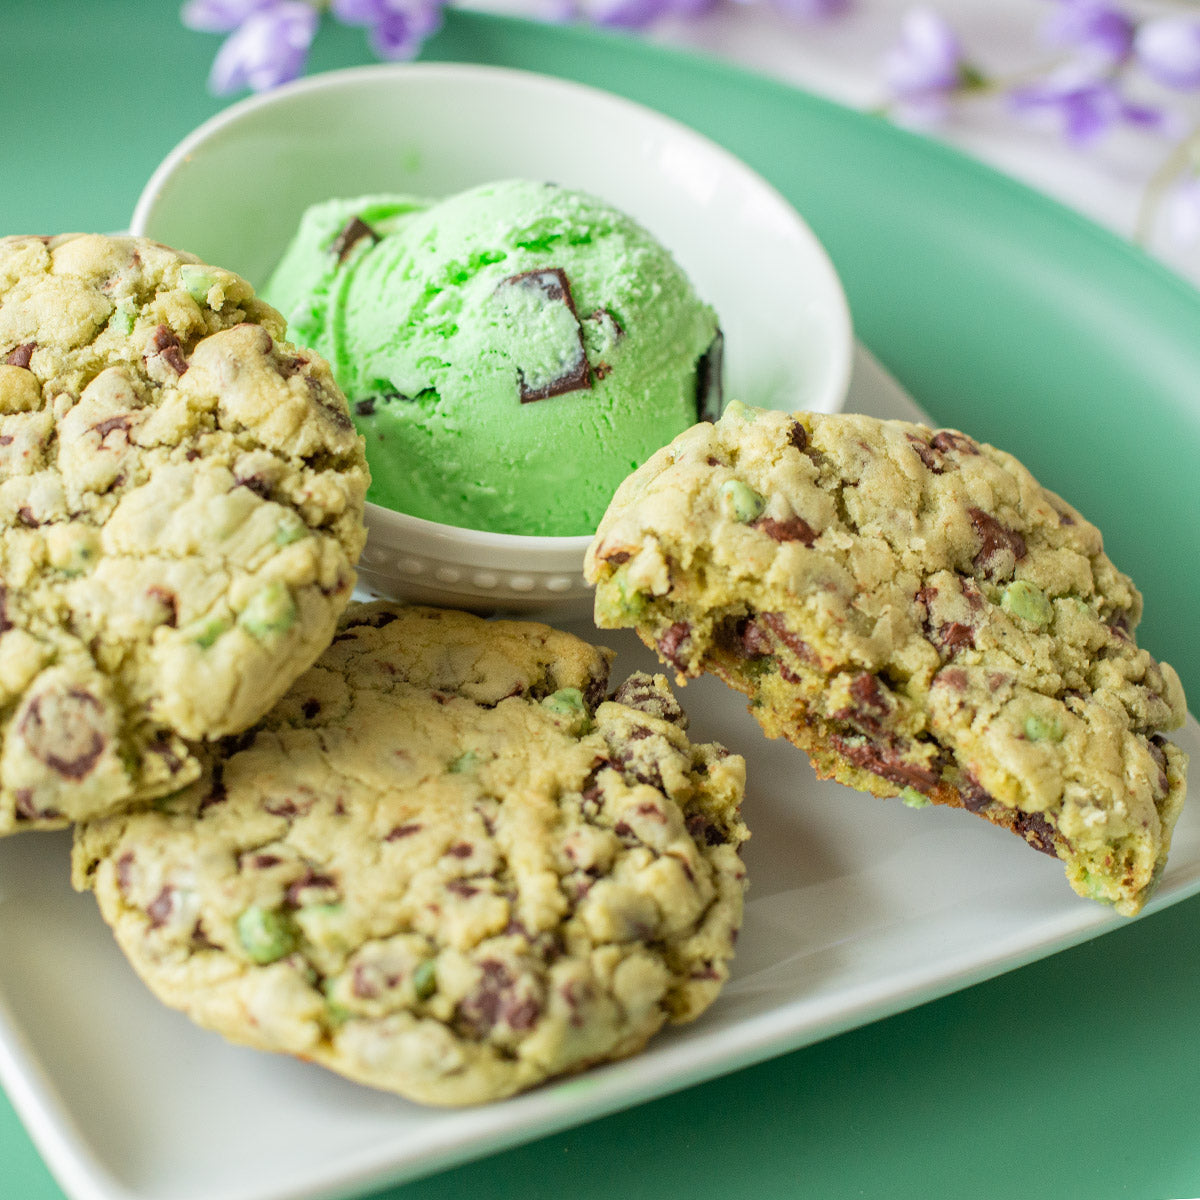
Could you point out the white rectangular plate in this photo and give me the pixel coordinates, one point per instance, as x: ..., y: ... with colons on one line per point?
x: 858, y: 908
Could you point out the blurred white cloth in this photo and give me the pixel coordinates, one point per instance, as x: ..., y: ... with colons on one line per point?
x: 841, y: 58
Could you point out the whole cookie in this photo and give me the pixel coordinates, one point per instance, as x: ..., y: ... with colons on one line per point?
x: 444, y: 865
x: 913, y: 609
x: 181, y: 505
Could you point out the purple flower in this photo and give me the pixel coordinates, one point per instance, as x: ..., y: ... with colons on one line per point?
x: 268, y: 48
x: 637, y: 14
x: 626, y: 14
x: 691, y: 8
x: 1085, y: 106
x: 926, y: 67
x: 809, y: 10
x: 1101, y: 33
x: 1169, y: 50
x: 219, y: 16
x: 398, y: 28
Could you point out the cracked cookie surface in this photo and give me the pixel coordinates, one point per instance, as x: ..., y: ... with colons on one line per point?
x: 916, y: 612
x: 181, y: 505
x: 444, y: 865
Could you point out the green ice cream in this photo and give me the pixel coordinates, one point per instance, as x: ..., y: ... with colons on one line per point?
x: 510, y: 353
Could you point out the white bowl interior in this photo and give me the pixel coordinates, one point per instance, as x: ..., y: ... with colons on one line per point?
x: 234, y: 190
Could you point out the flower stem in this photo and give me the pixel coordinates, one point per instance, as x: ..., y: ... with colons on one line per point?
x: 1184, y: 153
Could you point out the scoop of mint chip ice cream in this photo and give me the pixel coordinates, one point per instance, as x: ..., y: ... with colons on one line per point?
x: 510, y: 353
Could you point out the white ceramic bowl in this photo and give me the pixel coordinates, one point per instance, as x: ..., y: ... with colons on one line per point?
x: 233, y: 192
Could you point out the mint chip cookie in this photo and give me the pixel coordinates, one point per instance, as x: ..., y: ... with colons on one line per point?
x: 445, y: 864
x: 181, y: 500
x: 915, y: 611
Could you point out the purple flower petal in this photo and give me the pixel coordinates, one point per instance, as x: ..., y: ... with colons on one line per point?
x: 1169, y: 50
x: 928, y: 59
x: 627, y: 14
x: 1088, y: 114
x: 219, y: 16
x: 692, y: 9
x: 1099, y: 31
x: 1085, y: 107
x: 269, y: 48
x: 812, y: 10
x: 1153, y: 119
x: 1084, y: 110
x: 358, y: 12
x: 398, y: 28
x: 403, y: 28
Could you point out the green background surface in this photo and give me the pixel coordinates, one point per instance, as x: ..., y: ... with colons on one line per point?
x: 1003, y: 314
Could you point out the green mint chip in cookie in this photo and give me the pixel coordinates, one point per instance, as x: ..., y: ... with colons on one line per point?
x: 467, y: 761
x: 424, y: 979
x: 290, y: 530
x: 569, y: 704
x: 266, y: 934
x: 621, y: 603
x: 271, y: 611
x: 1043, y: 729
x: 197, y: 281
x: 740, y: 411
x: 1027, y: 601
x: 209, y: 631
x: 741, y: 501
x: 122, y: 318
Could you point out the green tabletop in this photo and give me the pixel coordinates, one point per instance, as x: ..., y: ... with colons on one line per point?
x: 1076, y: 1076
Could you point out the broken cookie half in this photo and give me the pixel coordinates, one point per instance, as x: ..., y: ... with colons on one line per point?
x: 915, y: 611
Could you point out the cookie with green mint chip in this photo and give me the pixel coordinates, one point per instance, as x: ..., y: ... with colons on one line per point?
x: 449, y: 863
x: 181, y: 506
x: 915, y: 611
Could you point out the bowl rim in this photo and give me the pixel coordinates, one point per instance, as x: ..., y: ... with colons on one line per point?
x: 518, y: 543
x: 837, y: 385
